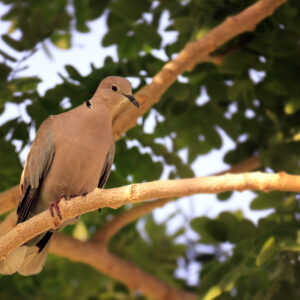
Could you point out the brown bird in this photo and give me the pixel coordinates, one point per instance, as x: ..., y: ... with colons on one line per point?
x: 71, y: 155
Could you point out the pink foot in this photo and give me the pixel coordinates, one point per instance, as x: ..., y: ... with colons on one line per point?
x: 54, y: 205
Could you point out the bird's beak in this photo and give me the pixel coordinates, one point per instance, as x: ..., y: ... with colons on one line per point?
x: 132, y: 100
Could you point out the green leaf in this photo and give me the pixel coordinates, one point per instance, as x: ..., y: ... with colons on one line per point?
x: 115, y: 35
x: 184, y: 24
x: 15, y: 44
x: 237, y: 62
x: 4, y: 71
x: 7, y: 56
x: 180, y: 92
x: 265, y: 201
x: 74, y: 74
x: 211, y: 231
x: 129, y: 47
x: 21, y: 132
x: 224, y: 196
x: 148, y: 34
x: 129, y: 11
x: 26, y: 84
x: 10, y: 166
x: 292, y: 105
x: 62, y: 41
x: 267, y: 251
x: 212, y: 136
x: 212, y: 293
x: 242, y: 90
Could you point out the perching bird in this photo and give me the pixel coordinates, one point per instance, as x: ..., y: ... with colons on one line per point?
x: 71, y: 155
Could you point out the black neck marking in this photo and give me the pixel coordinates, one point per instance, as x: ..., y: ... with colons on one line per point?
x: 88, y: 103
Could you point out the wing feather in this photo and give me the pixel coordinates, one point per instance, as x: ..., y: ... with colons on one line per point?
x: 107, y: 167
x: 37, y: 165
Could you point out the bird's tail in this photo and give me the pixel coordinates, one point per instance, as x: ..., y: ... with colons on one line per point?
x: 26, y: 260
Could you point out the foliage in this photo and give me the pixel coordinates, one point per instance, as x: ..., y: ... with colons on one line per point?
x: 259, y: 113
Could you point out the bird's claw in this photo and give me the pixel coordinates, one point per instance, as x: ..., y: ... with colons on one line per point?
x: 54, y: 205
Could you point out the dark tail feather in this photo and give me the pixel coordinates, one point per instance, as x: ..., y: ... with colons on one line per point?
x: 44, y: 240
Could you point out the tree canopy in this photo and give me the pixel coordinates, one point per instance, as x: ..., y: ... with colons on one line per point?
x: 253, y: 89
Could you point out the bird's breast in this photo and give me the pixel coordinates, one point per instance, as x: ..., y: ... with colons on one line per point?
x: 76, y: 166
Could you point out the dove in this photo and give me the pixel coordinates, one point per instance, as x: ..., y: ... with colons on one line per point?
x: 72, y: 154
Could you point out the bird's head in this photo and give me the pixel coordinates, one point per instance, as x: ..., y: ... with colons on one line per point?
x: 115, y: 90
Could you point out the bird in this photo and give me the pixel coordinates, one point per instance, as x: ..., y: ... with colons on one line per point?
x: 71, y: 155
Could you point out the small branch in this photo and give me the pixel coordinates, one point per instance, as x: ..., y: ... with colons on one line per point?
x: 98, y: 257
x: 192, y: 54
x: 9, y: 199
x: 215, y: 59
x: 9, y: 223
x: 249, y: 164
x: 117, y: 197
x: 105, y: 233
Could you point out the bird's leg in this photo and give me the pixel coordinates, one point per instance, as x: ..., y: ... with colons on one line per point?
x: 54, y: 205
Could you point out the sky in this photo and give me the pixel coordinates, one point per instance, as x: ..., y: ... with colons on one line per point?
x: 86, y: 50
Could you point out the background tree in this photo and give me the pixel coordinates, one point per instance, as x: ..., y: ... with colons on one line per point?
x: 259, y: 113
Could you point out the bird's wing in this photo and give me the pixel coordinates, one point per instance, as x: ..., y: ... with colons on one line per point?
x: 107, y: 166
x: 37, y: 165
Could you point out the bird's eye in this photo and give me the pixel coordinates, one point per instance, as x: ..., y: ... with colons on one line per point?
x: 114, y: 88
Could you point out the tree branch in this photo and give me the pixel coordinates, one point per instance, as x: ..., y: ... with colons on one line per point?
x: 112, y: 227
x: 9, y: 199
x: 97, y: 256
x: 105, y: 233
x: 133, y: 193
x: 9, y: 222
x: 192, y: 54
x: 249, y: 164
